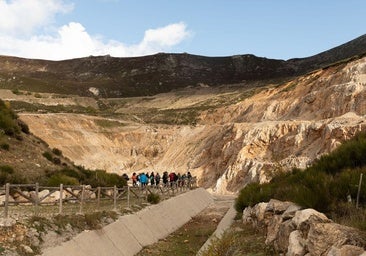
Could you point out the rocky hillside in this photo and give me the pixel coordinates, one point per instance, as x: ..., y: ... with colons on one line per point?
x: 227, y: 131
x: 124, y: 77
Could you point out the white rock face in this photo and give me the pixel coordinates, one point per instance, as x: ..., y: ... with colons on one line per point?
x: 276, y: 129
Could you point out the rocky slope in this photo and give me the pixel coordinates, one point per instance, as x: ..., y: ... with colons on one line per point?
x: 274, y: 128
x: 106, y: 76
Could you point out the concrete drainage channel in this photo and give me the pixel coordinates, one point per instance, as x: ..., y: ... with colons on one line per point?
x: 130, y: 233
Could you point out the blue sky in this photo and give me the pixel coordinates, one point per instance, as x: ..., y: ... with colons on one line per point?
x: 280, y: 29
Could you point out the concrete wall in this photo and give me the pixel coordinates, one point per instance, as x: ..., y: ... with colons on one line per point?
x: 130, y: 233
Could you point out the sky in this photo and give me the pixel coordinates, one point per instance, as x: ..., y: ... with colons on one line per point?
x: 276, y: 29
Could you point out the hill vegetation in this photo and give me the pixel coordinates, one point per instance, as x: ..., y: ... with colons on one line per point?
x: 18, y: 146
x: 109, y: 77
x: 327, y: 185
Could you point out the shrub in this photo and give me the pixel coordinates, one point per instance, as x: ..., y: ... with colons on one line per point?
x: 8, y: 175
x: 102, y: 178
x: 7, y: 120
x: 322, y: 186
x: 6, y: 169
x: 350, y: 154
x: 56, y: 160
x: 98, y: 178
x: 48, y: 156
x: 4, y: 146
x: 251, y: 195
x: 59, y: 178
x: 23, y: 127
x: 57, y: 152
x: 153, y: 198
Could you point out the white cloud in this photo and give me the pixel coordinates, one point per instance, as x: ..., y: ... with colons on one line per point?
x: 22, y: 17
x: 71, y: 40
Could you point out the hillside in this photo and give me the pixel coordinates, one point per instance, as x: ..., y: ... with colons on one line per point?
x: 109, y: 77
x: 229, y: 120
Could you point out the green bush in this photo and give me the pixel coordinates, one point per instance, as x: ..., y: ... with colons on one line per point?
x: 57, y: 152
x: 253, y: 194
x: 103, y: 179
x: 350, y: 154
x: 98, y: 178
x: 322, y: 186
x: 153, y: 198
x: 59, y: 178
x: 5, y: 146
x: 48, y: 156
x: 6, y: 169
x: 8, y: 175
x: 23, y: 127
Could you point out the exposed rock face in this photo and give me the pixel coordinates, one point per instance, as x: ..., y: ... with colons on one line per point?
x: 308, y: 232
x: 277, y: 128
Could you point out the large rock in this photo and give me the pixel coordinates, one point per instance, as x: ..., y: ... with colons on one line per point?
x: 346, y: 250
x: 323, y: 236
x: 296, y: 244
x: 281, y: 243
x: 306, y: 216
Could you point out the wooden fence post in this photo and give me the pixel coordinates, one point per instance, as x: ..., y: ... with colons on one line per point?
x: 359, y: 190
x: 115, y: 198
x: 82, y: 199
x: 98, y: 197
x: 60, y: 201
x: 128, y: 196
x: 36, y: 200
x: 6, y: 203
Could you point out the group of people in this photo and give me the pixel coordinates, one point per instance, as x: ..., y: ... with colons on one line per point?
x: 154, y: 179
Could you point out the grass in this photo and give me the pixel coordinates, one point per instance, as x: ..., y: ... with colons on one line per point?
x: 185, y: 241
x: 240, y: 239
x: 105, y: 123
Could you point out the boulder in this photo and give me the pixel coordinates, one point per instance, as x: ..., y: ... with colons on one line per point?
x: 308, y: 215
x: 272, y: 229
x: 346, y: 250
x: 296, y: 244
x: 277, y: 207
x: 323, y: 236
x: 259, y: 211
x: 282, y: 241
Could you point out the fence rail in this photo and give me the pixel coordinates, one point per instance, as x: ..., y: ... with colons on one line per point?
x: 20, y: 200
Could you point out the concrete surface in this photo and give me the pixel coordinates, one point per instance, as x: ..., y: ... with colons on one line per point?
x: 130, y: 233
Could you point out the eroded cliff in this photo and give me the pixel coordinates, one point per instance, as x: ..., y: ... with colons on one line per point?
x: 277, y: 128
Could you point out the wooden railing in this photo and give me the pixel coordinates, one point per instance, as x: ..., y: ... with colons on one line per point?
x: 19, y: 200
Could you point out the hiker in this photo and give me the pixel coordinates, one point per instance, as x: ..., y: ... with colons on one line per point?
x: 134, y: 179
x: 157, y: 179
x: 183, y: 180
x: 179, y: 179
x: 165, y: 178
x: 152, y: 179
x: 143, y: 179
x: 189, y: 178
x: 172, y: 178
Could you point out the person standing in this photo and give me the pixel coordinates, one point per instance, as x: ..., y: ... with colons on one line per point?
x: 134, y: 179
x: 152, y: 179
x: 157, y: 179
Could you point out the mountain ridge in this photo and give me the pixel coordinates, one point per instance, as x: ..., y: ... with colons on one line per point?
x: 108, y: 77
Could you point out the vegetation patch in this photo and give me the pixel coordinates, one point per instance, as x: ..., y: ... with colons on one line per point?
x: 240, y: 239
x: 78, y: 176
x: 153, y: 198
x: 326, y: 186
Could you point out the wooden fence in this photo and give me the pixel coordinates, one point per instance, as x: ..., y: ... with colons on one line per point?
x: 19, y: 200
